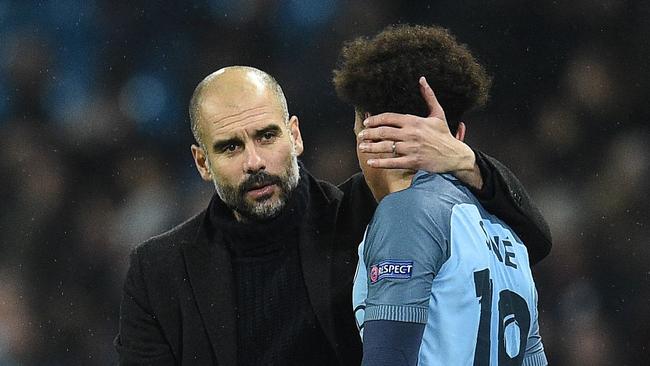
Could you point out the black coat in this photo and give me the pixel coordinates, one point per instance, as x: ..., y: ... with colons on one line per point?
x: 178, y: 305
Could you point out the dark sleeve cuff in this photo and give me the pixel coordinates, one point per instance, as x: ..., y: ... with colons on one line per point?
x: 486, y: 192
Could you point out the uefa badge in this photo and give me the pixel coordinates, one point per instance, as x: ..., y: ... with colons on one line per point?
x: 374, y: 274
x: 391, y: 268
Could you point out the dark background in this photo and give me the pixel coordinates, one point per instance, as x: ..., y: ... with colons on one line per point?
x: 94, y: 146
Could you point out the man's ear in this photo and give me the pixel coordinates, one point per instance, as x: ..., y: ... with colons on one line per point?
x: 294, y: 126
x: 201, y: 162
x: 460, y: 131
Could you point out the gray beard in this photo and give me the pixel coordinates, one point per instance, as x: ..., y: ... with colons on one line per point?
x: 233, y: 197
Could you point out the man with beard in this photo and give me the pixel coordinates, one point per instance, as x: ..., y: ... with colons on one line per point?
x: 264, y: 275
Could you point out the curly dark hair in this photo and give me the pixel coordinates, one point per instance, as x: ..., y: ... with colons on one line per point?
x: 381, y: 74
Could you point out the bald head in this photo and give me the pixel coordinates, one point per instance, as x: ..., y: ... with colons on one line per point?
x: 227, y: 86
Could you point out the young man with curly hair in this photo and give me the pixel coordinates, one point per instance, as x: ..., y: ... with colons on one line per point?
x: 440, y: 280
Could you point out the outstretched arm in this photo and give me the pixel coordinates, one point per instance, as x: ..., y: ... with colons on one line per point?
x: 426, y: 143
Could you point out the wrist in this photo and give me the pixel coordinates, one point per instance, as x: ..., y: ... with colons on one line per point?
x: 466, y: 159
x: 468, y: 170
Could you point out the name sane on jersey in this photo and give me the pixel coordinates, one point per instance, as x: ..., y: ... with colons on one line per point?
x: 492, y: 242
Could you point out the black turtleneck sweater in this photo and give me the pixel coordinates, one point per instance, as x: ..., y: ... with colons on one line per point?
x: 276, y: 324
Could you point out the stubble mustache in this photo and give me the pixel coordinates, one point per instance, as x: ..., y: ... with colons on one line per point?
x: 257, y: 180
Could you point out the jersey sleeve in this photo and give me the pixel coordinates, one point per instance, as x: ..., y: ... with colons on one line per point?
x: 404, y: 249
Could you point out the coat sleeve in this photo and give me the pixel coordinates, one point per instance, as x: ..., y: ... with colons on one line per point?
x: 140, y: 340
x: 504, y: 196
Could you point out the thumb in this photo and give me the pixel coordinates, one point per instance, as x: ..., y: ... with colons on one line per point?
x: 435, y: 109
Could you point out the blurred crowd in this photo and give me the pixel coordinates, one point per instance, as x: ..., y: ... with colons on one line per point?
x: 95, y: 158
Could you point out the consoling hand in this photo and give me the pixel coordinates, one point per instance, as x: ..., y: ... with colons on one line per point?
x: 420, y: 143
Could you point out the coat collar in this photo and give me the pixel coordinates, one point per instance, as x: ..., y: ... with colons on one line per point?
x: 210, y: 274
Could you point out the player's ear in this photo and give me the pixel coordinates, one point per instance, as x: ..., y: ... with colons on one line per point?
x: 201, y: 162
x: 294, y: 126
x: 460, y: 131
x: 359, y: 117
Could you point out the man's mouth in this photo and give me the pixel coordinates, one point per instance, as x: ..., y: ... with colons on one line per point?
x: 261, y: 191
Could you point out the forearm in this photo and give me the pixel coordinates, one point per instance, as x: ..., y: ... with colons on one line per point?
x: 391, y: 343
x: 503, y: 195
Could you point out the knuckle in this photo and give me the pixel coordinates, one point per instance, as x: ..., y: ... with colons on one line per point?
x: 417, y: 160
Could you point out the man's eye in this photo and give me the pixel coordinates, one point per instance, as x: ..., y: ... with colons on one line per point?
x: 230, y: 148
x: 268, y: 136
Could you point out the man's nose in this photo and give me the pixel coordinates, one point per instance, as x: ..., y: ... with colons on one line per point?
x: 254, y: 161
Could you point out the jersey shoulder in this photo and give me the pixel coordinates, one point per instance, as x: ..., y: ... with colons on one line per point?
x: 420, y: 216
x: 430, y: 196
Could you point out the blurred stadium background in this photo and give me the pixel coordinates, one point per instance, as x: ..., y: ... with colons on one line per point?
x: 94, y: 146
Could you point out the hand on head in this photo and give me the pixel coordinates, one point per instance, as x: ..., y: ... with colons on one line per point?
x: 420, y: 143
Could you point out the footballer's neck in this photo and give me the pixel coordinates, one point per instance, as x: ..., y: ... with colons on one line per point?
x: 394, y: 181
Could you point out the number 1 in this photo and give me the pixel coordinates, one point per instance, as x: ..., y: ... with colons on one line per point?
x: 483, y: 285
x: 511, y: 305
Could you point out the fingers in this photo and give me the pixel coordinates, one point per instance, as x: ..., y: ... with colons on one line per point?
x: 388, y: 119
x: 435, y: 109
x: 378, y: 147
x: 400, y: 120
x: 381, y: 133
x: 401, y: 162
x: 386, y: 147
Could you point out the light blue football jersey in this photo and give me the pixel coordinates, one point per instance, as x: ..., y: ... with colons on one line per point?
x: 433, y: 255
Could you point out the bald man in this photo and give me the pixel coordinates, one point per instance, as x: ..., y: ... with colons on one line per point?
x: 263, y: 276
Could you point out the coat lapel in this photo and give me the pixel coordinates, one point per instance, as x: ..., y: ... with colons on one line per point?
x: 316, y: 233
x: 210, y: 273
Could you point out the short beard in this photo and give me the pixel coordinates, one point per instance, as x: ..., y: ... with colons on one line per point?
x: 234, y: 197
